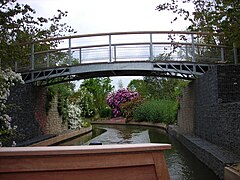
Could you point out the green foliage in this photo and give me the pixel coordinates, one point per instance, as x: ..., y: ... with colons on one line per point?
x: 86, y: 124
x: 105, y: 112
x: 216, y: 16
x: 139, y: 86
x: 158, y: 87
x: 63, y: 91
x: 157, y: 111
x: 161, y: 96
x: 50, y: 95
x: 84, y: 99
x: 164, y: 88
x: 98, y: 88
x: 19, y: 25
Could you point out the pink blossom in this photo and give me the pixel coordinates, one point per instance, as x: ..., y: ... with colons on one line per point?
x: 114, y: 100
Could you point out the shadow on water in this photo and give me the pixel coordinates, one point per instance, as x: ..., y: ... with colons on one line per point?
x: 80, y: 140
x: 182, y: 164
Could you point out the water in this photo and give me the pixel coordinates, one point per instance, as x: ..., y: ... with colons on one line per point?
x: 182, y: 164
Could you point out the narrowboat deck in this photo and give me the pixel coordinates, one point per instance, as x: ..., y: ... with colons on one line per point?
x: 98, y: 162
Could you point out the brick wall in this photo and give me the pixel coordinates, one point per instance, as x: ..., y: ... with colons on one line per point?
x: 40, y: 109
x: 55, y: 124
x: 28, y: 113
x: 186, y: 110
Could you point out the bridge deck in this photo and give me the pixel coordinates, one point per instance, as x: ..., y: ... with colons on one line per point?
x: 183, y: 70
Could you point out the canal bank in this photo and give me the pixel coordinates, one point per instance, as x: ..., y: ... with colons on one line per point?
x: 216, y: 158
x: 62, y: 137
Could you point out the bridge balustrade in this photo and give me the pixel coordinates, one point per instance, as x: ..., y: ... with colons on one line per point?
x: 153, y: 46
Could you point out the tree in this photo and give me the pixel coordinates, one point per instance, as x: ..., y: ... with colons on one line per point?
x: 164, y: 88
x: 18, y: 26
x: 157, y: 87
x: 215, y: 16
x: 85, y: 100
x: 99, y: 88
x: 120, y: 84
x: 138, y: 85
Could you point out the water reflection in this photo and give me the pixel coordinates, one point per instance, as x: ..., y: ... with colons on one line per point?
x: 121, y: 136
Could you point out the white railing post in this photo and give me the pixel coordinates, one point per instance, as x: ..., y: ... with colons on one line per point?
x: 186, y: 48
x: 115, y: 53
x: 193, y: 54
x: 80, y: 55
x: 32, y: 56
x: 151, y: 48
x: 69, y: 52
x: 193, y: 49
x: 222, y: 54
x: 235, y: 53
x: 110, y: 48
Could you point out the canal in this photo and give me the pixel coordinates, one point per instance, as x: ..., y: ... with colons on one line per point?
x: 182, y: 164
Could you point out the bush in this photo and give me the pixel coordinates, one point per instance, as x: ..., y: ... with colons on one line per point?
x: 156, y: 111
x: 129, y: 107
x: 105, y: 112
x: 114, y: 100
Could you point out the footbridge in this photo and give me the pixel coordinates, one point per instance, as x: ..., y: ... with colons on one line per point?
x: 145, y: 53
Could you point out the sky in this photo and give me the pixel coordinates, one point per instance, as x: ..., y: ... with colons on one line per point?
x: 103, y: 16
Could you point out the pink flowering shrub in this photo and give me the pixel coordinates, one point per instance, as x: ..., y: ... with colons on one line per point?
x: 114, y: 100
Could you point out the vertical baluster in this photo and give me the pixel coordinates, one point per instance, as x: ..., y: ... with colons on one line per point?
x: 151, y: 48
x: 193, y: 49
x: 110, y: 48
x: 115, y: 53
x: 80, y: 55
x: 193, y: 54
x: 186, y: 48
x: 69, y: 52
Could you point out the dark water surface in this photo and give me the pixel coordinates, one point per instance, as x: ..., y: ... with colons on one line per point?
x: 182, y: 164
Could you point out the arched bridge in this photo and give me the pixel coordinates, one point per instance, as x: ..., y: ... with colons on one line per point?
x: 149, y: 53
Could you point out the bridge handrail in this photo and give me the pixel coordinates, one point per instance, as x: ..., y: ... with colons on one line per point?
x: 127, y: 44
x: 122, y: 33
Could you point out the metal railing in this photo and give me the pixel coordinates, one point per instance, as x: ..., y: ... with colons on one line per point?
x: 126, y: 46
